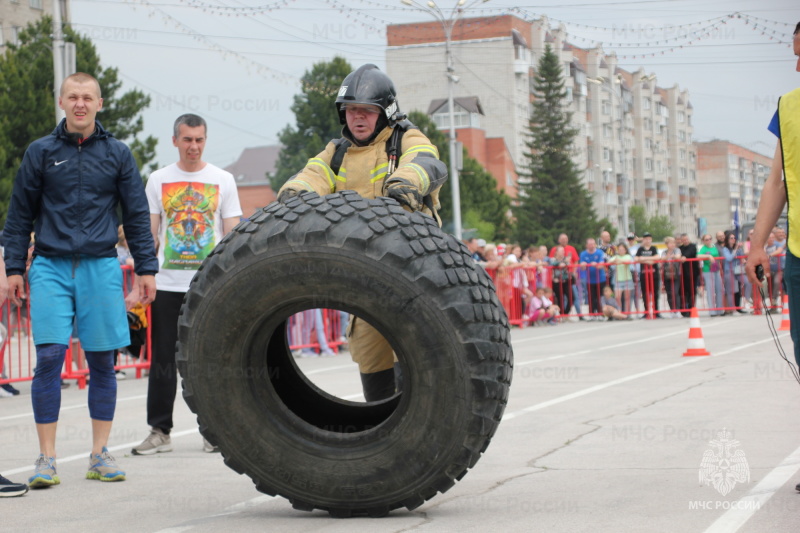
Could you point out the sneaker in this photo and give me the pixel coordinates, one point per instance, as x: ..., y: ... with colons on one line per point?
x: 9, y: 489
x: 328, y: 353
x: 5, y: 394
x: 208, y: 447
x: 45, y: 474
x: 120, y: 375
x: 9, y: 388
x: 103, y: 467
x: 156, y: 442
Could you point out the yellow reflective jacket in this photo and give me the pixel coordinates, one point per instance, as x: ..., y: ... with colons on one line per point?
x: 789, y: 120
x: 364, y: 168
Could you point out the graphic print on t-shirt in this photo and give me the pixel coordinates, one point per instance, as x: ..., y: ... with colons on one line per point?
x: 189, y: 208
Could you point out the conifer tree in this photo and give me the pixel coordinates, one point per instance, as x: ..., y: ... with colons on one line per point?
x: 316, y: 119
x: 552, y: 198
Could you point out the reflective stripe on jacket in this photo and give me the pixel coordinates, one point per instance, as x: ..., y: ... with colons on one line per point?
x: 364, y: 168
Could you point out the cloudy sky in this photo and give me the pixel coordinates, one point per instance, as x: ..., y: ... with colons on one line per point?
x: 238, y: 63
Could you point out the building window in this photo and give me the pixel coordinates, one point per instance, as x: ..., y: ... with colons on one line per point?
x: 681, y: 116
x: 648, y: 124
x: 15, y: 34
x: 682, y: 135
x: 607, y: 131
x: 606, y: 107
x: 682, y: 154
x: 36, y: 4
x: 648, y: 164
x: 606, y: 154
x: 460, y: 119
x: 684, y: 174
x: 646, y: 102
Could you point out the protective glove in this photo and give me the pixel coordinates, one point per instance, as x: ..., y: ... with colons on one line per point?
x: 286, y: 195
x: 404, y: 192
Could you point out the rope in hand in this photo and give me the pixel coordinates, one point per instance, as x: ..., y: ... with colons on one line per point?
x: 771, y: 324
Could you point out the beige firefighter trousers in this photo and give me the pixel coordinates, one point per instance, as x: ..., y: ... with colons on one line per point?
x: 368, y: 348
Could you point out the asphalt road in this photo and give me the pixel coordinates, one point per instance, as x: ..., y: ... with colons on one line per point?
x: 606, y: 431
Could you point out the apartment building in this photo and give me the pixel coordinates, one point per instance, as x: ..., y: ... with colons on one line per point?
x: 730, y: 181
x: 16, y: 14
x: 635, y: 138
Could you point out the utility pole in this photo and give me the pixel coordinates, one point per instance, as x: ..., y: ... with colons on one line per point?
x: 63, y: 58
x: 448, y: 22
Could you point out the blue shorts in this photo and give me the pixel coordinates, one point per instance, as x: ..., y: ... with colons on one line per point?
x: 624, y: 285
x: 84, y: 290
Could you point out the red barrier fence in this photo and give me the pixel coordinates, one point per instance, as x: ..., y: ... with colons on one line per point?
x: 664, y: 286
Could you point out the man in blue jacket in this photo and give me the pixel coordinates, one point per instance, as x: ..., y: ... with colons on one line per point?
x: 67, y: 191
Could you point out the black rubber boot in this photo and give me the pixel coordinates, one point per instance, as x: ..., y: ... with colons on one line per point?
x: 378, y: 385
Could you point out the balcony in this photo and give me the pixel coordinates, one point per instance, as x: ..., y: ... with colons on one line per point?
x: 649, y: 188
x: 662, y: 189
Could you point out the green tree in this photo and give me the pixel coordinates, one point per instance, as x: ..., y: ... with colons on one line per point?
x: 552, y: 198
x: 484, y: 208
x: 316, y: 120
x: 26, y: 93
x: 659, y: 226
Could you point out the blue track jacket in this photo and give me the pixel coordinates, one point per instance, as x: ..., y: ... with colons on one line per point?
x: 68, y: 193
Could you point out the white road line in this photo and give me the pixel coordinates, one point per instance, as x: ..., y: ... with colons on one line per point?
x: 70, y: 407
x: 85, y: 456
x: 746, y: 507
x: 608, y: 347
x: 632, y: 377
x: 233, y: 509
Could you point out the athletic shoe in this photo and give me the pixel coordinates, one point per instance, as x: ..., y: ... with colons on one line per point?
x: 208, y: 447
x: 45, y: 475
x: 120, y: 375
x: 328, y: 353
x: 9, y: 489
x: 5, y: 394
x: 9, y: 388
x: 103, y: 467
x: 156, y: 442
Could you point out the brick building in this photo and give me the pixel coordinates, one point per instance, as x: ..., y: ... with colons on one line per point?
x: 635, y: 138
x: 16, y: 14
x: 730, y: 178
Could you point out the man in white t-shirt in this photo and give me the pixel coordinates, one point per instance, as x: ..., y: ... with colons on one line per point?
x: 193, y: 204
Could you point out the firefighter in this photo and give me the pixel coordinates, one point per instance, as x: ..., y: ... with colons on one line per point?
x: 380, y: 153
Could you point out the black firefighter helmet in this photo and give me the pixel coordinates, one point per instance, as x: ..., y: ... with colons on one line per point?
x: 368, y: 85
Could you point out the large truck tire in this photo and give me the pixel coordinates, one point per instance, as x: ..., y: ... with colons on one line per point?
x: 417, y: 285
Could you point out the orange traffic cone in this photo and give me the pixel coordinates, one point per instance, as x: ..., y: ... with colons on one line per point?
x: 696, y: 344
x: 785, y: 313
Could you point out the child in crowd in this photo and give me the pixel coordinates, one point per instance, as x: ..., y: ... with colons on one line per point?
x: 540, y: 309
x: 610, y: 306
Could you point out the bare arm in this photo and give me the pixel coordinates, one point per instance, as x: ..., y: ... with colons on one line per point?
x: 228, y: 224
x: 144, y: 288
x: 3, y: 281
x: 773, y: 200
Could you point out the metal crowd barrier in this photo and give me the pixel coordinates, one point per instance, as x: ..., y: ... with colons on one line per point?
x: 651, y: 294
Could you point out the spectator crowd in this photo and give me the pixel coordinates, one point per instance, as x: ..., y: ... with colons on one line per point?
x: 633, y: 278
